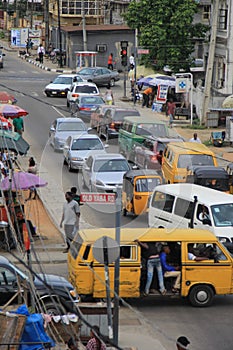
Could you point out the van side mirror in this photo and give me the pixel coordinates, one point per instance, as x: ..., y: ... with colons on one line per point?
x: 206, y: 222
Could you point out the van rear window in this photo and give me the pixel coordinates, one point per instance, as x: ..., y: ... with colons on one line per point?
x: 184, y: 208
x: 163, y: 201
x: 187, y: 160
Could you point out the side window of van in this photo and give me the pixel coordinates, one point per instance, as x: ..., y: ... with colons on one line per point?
x: 184, y: 208
x: 163, y: 201
x: 128, y: 252
x: 130, y: 127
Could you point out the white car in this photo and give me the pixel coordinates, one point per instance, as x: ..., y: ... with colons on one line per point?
x: 78, y: 147
x: 104, y: 172
x: 62, y: 84
x: 79, y: 89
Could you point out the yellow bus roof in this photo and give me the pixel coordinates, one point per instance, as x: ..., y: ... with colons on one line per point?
x: 128, y: 235
x: 187, y: 147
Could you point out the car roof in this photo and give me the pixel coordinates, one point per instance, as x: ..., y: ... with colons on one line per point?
x: 142, y: 119
x: 128, y: 235
x: 108, y: 156
x: 209, y: 171
x: 81, y: 83
x: 142, y: 172
x: 187, y: 147
x: 204, y: 195
x: 85, y: 136
x: 68, y: 75
x: 69, y: 120
x: 164, y: 139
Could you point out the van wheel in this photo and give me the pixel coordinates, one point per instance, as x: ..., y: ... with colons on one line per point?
x: 53, y: 309
x: 201, y: 296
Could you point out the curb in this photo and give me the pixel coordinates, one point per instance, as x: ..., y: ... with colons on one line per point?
x: 41, y: 66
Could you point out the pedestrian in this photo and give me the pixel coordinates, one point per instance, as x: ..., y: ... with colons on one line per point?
x: 132, y: 60
x: 195, y: 138
x: 110, y: 61
x: 182, y: 343
x: 18, y: 125
x: 171, y: 107
x: 32, y: 169
x: 153, y: 261
x: 146, y: 96
x: 131, y: 77
x: 41, y: 52
x: 95, y: 343
x: 108, y: 97
x: 70, y: 218
x: 76, y: 196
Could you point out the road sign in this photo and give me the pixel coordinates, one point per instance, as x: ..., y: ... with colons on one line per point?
x: 104, y: 198
x: 143, y: 51
x: 182, y: 85
x: 113, y: 249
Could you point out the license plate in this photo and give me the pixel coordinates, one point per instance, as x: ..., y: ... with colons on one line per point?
x: 54, y: 92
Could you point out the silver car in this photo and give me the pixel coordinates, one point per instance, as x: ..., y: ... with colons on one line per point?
x: 77, y: 148
x: 103, y: 172
x: 62, y: 128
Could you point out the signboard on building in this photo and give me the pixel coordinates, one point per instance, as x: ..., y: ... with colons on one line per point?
x: 143, y: 51
x: 161, y: 96
x: 104, y: 198
x: 182, y: 85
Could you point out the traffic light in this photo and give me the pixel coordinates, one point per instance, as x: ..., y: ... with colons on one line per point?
x: 124, y: 58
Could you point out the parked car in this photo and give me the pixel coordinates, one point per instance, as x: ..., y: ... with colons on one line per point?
x: 61, y: 85
x: 62, y: 128
x: 85, y: 105
x: 80, y: 89
x: 103, y: 172
x: 148, y: 154
x: 1, y: 58
x: 113, y: 119
x: 100, y: 75
x: 98, y: 114
x: 54, y: 294
x: 77, y: 149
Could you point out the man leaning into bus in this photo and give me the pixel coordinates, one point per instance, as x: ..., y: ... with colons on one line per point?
x: 169, y: 270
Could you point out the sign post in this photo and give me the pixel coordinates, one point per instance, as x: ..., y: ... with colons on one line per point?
x: 184, y: 83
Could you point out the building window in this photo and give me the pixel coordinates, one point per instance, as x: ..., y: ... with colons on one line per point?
x: 75, y: 7
x: 206, y: 12
x: 222, y: 21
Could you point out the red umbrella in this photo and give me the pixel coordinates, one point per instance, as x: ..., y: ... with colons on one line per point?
x: 5, y: 124
x: 12, y: 111
x: 5, y: 97
x: 22, y: 181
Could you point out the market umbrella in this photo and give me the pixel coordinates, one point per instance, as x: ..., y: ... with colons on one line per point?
x: 12, y: 111
x: 5, y: 124
x: 163, y: 80
x: 228, y: 102
x: 22, y: 181
x: 13, y: 141
x: 144, y: 81
x: 5, y: 97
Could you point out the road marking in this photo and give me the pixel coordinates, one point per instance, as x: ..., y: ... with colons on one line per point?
x: 58, y: 111
x: 34, y: 93
x: 35, y: 72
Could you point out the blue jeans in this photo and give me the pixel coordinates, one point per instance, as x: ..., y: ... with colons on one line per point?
x: 151, y: 264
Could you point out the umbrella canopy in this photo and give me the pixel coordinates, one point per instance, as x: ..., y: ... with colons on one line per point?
x: 13, y: 141
x: 163, y: 80
x: 144, y: 81
x: 12, y: 111
x: 5, y: 124
x: 22, y: 181
x: 228, y: 102
x: 5, y: 97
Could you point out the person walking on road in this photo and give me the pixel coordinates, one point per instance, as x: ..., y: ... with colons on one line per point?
x: 70, y: 218
x: 171, y: 106
x: 182, y: 343
x: 18, y: 125
x: 95, y: 343
x: 110, y: 61
x: 195, y: 138
x: 108, y: 97
x: 41, y: 52
x: 132, y: 60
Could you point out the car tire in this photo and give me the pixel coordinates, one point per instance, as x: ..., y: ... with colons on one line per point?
x: 201, y: 295
x: 112, y: 82
x: 67, y: 104
x: 70, y: 169
x: 65, y: 161
x: 48, y: 94
x: 124, y: 212
x: 53, y: 309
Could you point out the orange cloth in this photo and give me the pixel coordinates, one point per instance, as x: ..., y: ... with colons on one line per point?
x: 148, y: 91
x: 110, y: 58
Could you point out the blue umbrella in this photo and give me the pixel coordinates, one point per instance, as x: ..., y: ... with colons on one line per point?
x: 144, y: 81
x: 163, y: 80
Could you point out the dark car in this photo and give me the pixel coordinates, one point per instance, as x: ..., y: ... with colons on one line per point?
x: 148, y: 154
x: 113, y: 119
x: 53, y: 294
x: 99, y: 75
x: 85, y: 105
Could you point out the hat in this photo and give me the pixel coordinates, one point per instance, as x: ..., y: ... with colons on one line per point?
x: 183, y: 342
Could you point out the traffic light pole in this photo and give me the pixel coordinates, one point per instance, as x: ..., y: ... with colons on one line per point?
x: 125, y: 77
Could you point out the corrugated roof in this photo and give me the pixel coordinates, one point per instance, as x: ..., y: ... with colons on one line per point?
x: 89, y: 28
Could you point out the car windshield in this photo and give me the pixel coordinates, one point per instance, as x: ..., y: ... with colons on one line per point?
x: 71, y: 126
x: 86, y: 89
x: 158, y: 130
x: 63, y: 80
x: 111, y: 165
x: 86, y: 144
x: 86, y: 71
x: 147, y: 184
x: 120, y: 114
x: 222, y: 214
x: 91, y: 100
x: 187, y: 160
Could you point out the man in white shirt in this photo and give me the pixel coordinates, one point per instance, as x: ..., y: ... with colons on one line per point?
x: 131, y: 60
x: 70, y: 218
x: 195, y: 138
x: 41, y: 52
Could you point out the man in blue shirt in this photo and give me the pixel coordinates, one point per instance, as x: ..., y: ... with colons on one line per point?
x: 169, y: 270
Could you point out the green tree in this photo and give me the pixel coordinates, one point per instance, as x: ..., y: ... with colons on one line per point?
x: 166, y: 27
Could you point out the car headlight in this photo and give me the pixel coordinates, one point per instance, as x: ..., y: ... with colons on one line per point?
x: 76, y: 159
x: 73, y: 293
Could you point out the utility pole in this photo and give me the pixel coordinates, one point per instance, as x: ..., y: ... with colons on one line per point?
x: 46, y: 20
x: 16, y: 13
x: 84, y: 32
x: 59, y: 31
x: 31, y: 15
x: 209, y: 68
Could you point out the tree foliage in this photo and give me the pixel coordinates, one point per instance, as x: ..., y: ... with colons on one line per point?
x: 166, y: 28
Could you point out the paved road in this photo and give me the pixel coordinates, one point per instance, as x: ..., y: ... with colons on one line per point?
x: 209, y: 328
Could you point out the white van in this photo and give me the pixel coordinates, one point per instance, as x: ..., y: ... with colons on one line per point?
x: 188, y: 205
